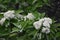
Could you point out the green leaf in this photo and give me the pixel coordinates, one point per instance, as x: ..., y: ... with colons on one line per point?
x: 15, y: 29
x: 1, y: 16
x: 19, y: 11
x: 56, y: 24
x: 58, y: 34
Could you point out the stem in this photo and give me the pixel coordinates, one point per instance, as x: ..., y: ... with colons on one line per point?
x: 47, y: 37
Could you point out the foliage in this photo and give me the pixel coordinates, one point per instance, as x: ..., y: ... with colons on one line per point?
x: 18, y: 29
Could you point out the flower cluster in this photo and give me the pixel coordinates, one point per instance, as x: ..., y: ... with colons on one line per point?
x: 7, y: 15
x: 2, y: 21
x: 10, y: 14
x: 45, y: 22
x: 30, y: 16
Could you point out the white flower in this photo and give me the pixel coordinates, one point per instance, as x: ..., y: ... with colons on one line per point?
x: 2, y: 21
x: 37, y: 24
x: 46, y: 24
x: 30, y: 16
x: 48, y: 20
x: 45, y: 30
x: 9, y: 14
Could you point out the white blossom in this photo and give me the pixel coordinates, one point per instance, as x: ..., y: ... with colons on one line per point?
x: 44, y: 21
x: 45, y: 30
x: 48, y: 20
x: 9, y: 14
x: 30, y: 16
x: 46, y: 24
x: 37, y: 24
x: 2, y: 21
